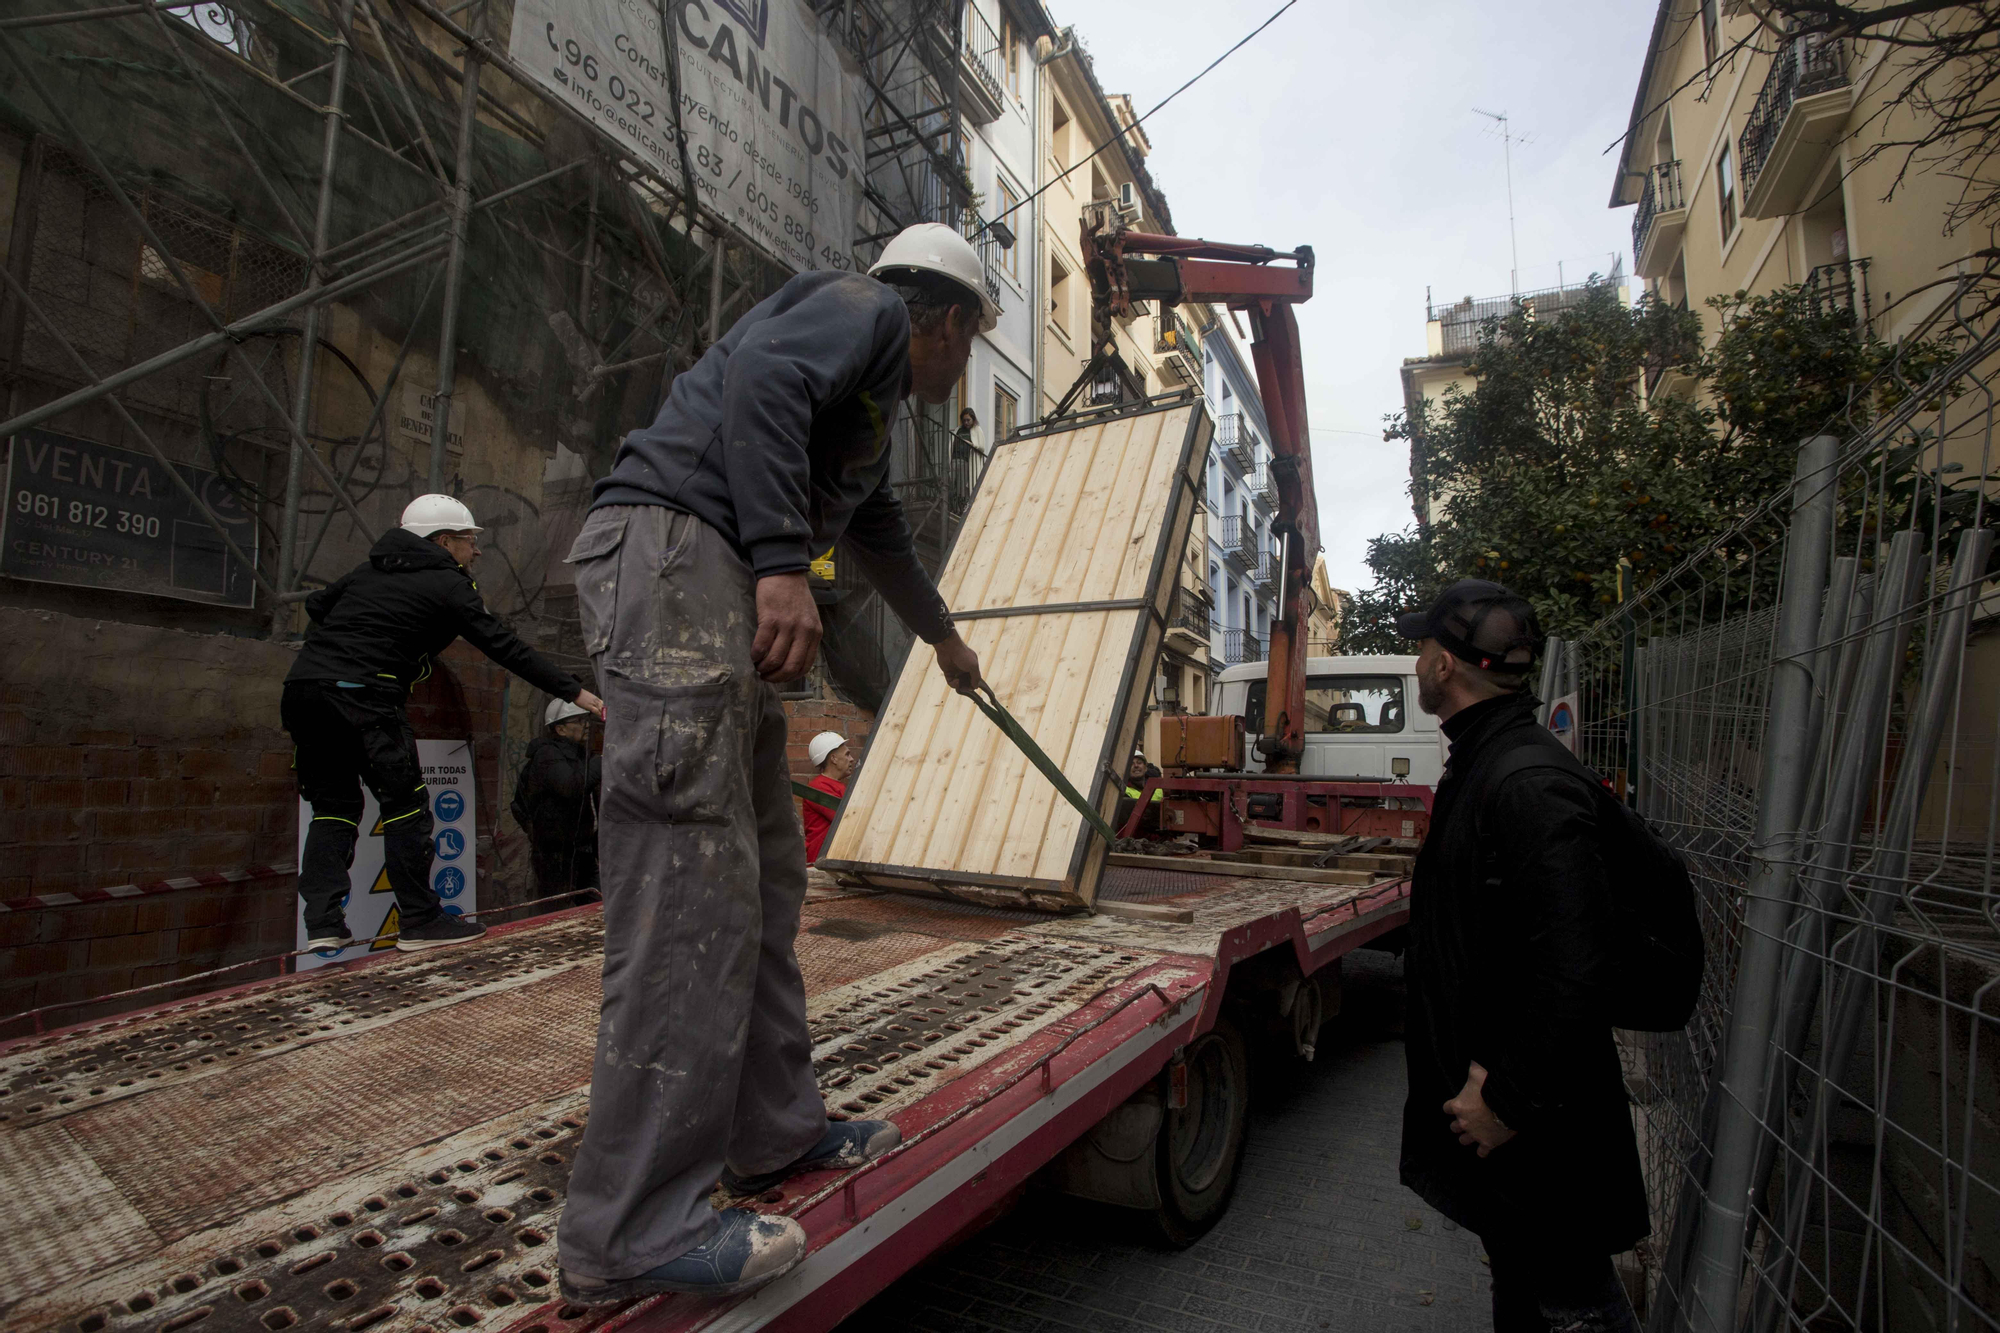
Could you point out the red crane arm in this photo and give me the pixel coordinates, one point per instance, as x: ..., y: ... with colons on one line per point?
x: 1123, y: 269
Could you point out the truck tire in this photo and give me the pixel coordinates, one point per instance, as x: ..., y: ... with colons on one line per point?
x: 1200, y: 1146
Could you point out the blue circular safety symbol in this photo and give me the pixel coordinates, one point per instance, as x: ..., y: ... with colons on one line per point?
x: 450, y: 845
x: 453, y: 909
x: 450, y: 805
x: 450, y: 882
x: 1561, y: 719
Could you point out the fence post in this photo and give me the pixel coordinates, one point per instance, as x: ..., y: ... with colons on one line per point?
x: 1717, y: 1268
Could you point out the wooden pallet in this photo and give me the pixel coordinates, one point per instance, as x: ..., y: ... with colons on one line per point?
x: 1060, y: 581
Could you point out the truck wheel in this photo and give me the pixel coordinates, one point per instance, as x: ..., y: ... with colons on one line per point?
x: 1200, y: 1145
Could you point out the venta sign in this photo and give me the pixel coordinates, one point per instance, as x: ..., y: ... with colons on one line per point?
x: 95, y: 516
x: 770, y: 110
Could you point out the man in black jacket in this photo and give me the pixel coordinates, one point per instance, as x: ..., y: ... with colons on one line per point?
x: 555, y: 800
x: 373, y: 635
x: 1517, y: 1125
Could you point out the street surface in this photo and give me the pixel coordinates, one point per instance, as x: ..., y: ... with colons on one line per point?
x: 1320, y: 1235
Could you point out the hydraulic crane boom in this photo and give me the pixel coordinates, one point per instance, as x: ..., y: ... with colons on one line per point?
x: 1126, y: 267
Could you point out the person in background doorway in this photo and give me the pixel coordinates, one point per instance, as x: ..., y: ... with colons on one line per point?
x: 374, y: 634
x: 1137, y: 770
x: 968, y: 455
x: 555, y: 801
x: 835, y: 760
x: 1517, y: 1125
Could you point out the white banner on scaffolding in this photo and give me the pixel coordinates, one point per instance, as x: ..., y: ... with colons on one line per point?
x: 770, y: 107
x: 371, y: 904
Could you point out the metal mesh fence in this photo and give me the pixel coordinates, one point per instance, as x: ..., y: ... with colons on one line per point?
x: 1810, y: 711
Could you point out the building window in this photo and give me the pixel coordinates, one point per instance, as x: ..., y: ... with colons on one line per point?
x: 1006, y: 413
x: 1010, y: 44
x: 1010, y: 258
x: 1059, y: 295
x: 1725, y: 188
x: 1059, y: 125
x: 1711, y: 30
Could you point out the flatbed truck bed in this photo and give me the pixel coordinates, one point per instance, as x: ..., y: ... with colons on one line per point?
x: 384, y: 1145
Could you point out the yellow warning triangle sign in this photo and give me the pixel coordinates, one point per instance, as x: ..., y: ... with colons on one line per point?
x: 392, y: 925
x: 376, y: 832
x: 381, y: 884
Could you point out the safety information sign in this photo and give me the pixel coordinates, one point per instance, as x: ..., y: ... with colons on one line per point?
x: 97, y: 516
x: 770, y: 108
x: 1563, y: 720
x: 371, y: 904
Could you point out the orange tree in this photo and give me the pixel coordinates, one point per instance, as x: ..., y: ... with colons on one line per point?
x: 1554, y: 470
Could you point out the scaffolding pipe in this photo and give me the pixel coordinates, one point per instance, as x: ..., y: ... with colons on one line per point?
x: 1855, y: 988
x: 329, y: 161
x: 454, y: 270
x: 1716, y: 1268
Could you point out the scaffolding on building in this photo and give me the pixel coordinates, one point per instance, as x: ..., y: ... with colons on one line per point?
x: 280, y: 246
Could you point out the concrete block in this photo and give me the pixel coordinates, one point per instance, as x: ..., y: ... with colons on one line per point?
x: 87, y: 921
x: 109, y: 762
x: 158, y: 793
x: 107, y: 793
x: 49, y: 960
x: 127, y: 822
x: 129, y: 950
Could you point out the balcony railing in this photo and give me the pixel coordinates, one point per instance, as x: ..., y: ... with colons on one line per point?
x: 1462, y: 321
x: 1658, y: 364
x: 1263, y: 488
x: 1662, y: 195
x: 1803, y: 66
x: 1239, y: 542
x: 1264, y: 575
x: 986, y: 239
x: 1233, y: 438
x: 1241, y: 645
x: 985, y: 60
x: 1841, y: 285
x: 1192, y: 620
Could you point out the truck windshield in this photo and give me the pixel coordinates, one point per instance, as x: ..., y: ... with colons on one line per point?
x: 1339, y: 705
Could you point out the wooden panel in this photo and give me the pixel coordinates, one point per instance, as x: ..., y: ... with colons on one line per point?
x: 1060, y: 576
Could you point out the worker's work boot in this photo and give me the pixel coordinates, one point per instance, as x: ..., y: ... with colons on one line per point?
x: 330, y: 937
x: 746, y: 1251
x: 435, y: 934
x: 846, y: 1144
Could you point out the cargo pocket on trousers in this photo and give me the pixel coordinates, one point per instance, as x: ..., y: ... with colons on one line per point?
x: 681, y: 760
x: 595, y: 555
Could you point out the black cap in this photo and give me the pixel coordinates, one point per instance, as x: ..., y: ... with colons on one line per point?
x: 1481, y: 622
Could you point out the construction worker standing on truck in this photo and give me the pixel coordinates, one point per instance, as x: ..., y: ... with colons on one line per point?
x: 374, y: 634
x: 691, y: 581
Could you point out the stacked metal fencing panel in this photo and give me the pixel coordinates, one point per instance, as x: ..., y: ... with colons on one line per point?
x: 1810, y: 710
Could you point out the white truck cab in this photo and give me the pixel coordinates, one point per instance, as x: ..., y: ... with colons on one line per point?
x: 1362, y: 718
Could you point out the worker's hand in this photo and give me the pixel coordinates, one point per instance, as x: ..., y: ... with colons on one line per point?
x: 959, y: 664
x: 787, y: 627
x: 590, y: 703
x: 1471, y: 1118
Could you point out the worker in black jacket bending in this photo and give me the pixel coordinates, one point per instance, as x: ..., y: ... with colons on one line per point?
x: 373, y: 636
x: 1517, y: 1125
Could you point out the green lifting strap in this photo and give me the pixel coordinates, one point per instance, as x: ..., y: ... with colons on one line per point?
x: 994, y: 709
x: 816, y: 796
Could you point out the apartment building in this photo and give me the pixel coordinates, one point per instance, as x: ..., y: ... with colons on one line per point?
x: 1747, y: 158
x: 1242, y: 499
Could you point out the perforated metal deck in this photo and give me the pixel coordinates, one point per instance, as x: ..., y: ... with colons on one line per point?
x: 386, y: 1148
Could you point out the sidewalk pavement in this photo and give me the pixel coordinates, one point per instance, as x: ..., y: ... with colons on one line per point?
x: 1320, y: 1235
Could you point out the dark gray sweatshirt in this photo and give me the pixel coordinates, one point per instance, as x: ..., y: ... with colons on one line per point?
x: 779, y: 439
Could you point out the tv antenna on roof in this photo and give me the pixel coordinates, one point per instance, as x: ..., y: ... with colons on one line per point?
x: 1507, y: 137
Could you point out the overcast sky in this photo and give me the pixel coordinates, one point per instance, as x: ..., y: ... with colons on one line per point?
x: 1349, y: 127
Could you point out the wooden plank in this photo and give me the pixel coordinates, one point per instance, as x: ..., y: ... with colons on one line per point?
x: 1064, y: 521
x: 1198, y: 865
x: 1146, y: 911
x: 1288, y: 856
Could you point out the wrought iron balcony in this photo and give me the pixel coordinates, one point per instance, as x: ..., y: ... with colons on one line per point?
x: 1841, y: 285
x: 1658, y: 364
x: 983, y: 87
x: 990, y: 240
x: 1264, y: 576
x: 1239, y: 542
x: 1233, y: 438
x: 1798, y: 115
x: 1191, y: 622
x: 1241, y: 645
x: 1662, y: 216
x: 1263, y: 488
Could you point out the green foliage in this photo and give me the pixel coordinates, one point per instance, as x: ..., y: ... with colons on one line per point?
x: 1552, y: 476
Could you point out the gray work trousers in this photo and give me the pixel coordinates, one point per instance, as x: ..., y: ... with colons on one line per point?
x: 703, y: 1058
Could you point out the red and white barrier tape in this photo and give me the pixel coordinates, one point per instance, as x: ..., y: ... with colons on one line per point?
x: 113, y: 894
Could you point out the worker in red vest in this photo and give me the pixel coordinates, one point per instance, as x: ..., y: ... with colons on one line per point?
x: 835, y: 760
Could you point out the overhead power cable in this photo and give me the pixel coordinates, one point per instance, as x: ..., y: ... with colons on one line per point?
x: 1143, y: 119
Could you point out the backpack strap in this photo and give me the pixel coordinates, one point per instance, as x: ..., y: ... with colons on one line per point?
x: 1535, y: 752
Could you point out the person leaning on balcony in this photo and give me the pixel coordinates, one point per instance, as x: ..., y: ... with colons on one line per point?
x: 1517, y: 1125
x: 691, y: 584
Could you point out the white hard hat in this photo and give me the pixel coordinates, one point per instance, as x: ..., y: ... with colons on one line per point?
x: 560, y: 710
x: 437, y: 513
x: 823, y: 745
x: 932, y: 247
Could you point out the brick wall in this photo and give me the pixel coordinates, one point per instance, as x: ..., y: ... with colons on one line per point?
x: 131, y: 754
x: 807, y: 718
